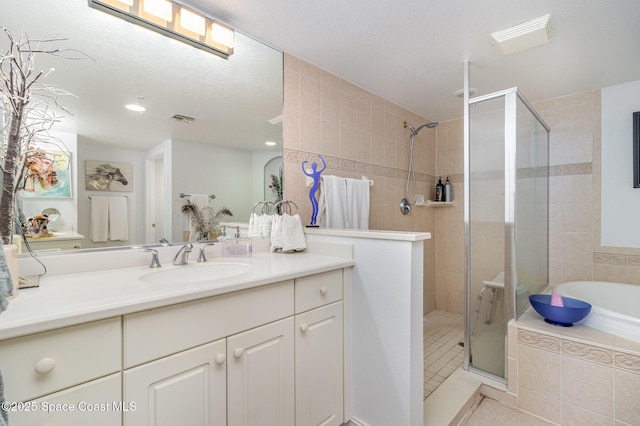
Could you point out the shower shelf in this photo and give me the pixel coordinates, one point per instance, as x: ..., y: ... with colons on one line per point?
x: 430, y: 203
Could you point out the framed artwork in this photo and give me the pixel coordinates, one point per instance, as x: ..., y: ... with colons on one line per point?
x: 47, y: 173
x: 108, y: 176
x: 636, y: 149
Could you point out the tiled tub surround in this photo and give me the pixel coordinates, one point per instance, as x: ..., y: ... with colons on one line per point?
x: 572, y: 376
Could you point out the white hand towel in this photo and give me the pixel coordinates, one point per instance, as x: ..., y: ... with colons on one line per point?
x: 292, y: 234
x: 332, y: 205
x: 358, y: 203
x: 118, y: 219
x: 254, y: 225
x: 99, y: 225
x: 276, y: 233
x: 265, y: 225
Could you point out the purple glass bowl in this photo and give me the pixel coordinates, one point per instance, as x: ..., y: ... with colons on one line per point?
x: 574, y: 310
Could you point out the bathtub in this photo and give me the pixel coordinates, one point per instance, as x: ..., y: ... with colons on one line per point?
x: 615, y: 307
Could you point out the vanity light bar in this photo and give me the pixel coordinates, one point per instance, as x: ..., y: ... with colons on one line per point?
x: 174, y: 20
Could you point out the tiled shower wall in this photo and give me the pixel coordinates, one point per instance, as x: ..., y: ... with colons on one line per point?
x: 361, y: 134
x: 358, y: 134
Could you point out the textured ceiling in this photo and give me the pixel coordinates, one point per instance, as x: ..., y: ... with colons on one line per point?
x: 412, y: 51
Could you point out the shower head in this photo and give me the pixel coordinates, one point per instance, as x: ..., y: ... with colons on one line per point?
x: 414, y: 131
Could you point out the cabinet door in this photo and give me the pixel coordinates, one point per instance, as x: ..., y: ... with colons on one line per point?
x: 188, y: 388
x: 260, y: 376
x: 319, y: 366
x: 96, y: 403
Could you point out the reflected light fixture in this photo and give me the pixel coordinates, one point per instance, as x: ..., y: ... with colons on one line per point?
x: 270, y: 143
x: 138, y: 107
x: 175, y: 20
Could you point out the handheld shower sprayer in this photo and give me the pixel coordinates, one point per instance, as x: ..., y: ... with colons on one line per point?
x: 405, y: 205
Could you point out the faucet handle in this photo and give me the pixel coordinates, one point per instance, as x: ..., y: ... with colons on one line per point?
x: 203, y: 246
x: 155, y: 261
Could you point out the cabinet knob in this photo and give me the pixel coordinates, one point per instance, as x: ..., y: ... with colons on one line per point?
x: 238, y: 352
x: 220, y: 359
x: 304, y: 327
x: 324, y: 290
x: 45, y: 365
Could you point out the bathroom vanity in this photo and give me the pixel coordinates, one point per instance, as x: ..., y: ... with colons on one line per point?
x: 267, y: 345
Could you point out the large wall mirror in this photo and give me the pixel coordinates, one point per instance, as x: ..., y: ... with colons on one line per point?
x: 236, y: 104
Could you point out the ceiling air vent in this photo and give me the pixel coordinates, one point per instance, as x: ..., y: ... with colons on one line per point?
x: 182, y: 118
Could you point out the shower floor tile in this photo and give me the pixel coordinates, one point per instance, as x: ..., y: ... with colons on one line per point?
x: 442, y: 353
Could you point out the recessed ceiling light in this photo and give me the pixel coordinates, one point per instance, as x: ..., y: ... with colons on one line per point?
x: 275, y: 120
x: 135, y: 107
x: 270, y: 143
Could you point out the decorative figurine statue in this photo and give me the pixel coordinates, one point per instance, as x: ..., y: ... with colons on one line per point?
x: 315, y: 175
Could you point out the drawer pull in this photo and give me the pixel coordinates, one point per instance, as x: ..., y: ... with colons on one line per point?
x: 45, y: 365
x: 238, y: 352
x: 304, y: 327
x: 220, y: 359
x: 324, y: 290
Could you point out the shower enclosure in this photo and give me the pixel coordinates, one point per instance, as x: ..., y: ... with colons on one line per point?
x: 506, y: 221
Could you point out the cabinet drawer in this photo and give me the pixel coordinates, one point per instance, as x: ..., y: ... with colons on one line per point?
x: 64, y: 357
x: 96, y: 403
x: 318, y: 290
x: 164, y: 331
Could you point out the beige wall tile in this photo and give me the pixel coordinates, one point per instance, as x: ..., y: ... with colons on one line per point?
x: 539, y: 371
x: 576, y: 416
x: 587, y: 385
x: 627, y: 397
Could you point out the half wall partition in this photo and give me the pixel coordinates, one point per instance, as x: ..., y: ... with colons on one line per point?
x: 506, y: 221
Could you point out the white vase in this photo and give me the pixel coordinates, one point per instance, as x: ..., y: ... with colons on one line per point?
x: 11, y: 253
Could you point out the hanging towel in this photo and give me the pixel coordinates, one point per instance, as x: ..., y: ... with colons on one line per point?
x: 332, y: 206
x: 292, y: 234
x: 118, y: 219
x: 254, y: 226
x: 357, y: 203
x: 276, y: 232
x: 99, y: 226
x: 266, y: 220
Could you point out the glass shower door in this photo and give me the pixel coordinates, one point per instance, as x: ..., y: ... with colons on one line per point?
x: 507, y: 221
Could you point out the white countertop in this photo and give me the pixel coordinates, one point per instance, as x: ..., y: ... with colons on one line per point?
x: 370, y: 233
x: 64, y: 300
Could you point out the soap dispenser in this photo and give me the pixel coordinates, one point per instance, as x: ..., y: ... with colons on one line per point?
x: 447, y: 191
x: 439, y: 190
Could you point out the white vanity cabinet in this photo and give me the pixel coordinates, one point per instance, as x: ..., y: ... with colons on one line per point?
x: 61, y: 377
x: 272, y: 354
x: 319, y: 349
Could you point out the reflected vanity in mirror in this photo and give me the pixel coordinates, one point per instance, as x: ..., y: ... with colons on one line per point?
x: 203, y: 132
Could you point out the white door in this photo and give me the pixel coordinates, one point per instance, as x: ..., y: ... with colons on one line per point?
x: 260, y: 376
x: 188, y: 388
x: 319, y: 366
x: 155, y: 200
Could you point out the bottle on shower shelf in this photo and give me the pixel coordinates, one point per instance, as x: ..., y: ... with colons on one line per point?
x: 447, y: 191
x: 439, y: 190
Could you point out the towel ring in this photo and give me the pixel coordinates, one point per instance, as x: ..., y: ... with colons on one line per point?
x: 265, y: 207
x: 285, y: 204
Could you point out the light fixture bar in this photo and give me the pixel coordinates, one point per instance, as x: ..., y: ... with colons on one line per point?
x: 173, y: 20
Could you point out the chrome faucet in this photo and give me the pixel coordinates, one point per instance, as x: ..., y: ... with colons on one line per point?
x: 155, y: 262
x: 182, y: 256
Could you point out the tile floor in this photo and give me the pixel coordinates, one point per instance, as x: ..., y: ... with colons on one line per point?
x: 442, y: 353
x: 489, y: 412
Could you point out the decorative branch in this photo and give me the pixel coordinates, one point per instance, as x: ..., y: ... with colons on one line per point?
x: 25, y: 113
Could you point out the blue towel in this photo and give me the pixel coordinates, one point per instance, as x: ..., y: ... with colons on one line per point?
x: 6, y: 288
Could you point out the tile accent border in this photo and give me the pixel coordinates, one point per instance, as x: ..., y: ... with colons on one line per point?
x: 616, y: 259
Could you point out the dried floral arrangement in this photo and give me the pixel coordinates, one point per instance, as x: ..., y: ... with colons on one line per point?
x: 276, y: 187
x: 203, y: 219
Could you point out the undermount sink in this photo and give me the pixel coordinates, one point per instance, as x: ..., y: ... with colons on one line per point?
x: 196, y: 273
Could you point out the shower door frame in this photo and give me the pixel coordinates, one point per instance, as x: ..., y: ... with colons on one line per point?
x: 511, y: 97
